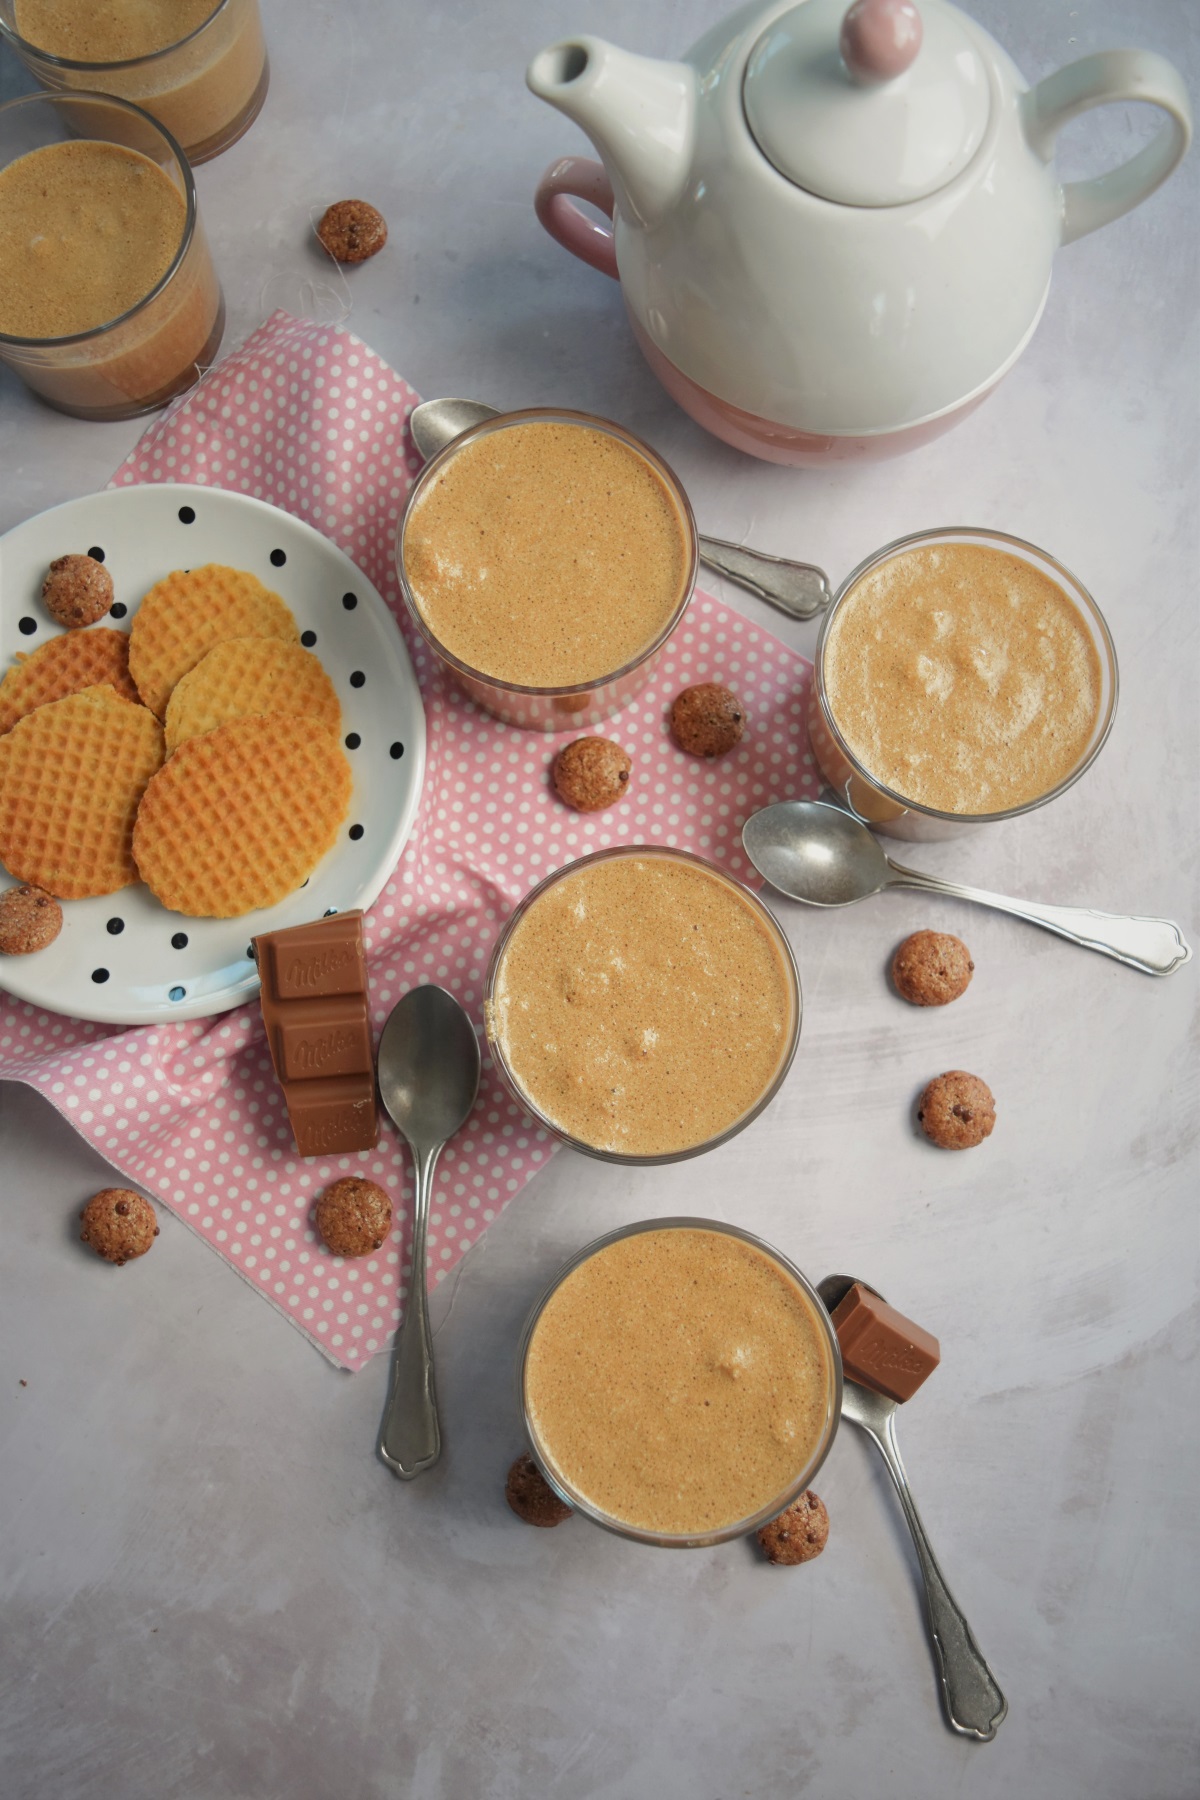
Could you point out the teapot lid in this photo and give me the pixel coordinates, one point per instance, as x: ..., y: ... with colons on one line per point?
x: 873, y: 106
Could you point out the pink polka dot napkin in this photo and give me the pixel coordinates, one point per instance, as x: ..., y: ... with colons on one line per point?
x: 310, y: 419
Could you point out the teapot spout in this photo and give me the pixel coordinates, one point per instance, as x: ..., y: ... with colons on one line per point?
x: 639, y: 113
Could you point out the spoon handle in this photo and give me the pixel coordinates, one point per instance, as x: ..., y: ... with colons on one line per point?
x: 975, y: 1707
x: 1155, y: 946
x: 800, y: 589
x: 410, y: 1439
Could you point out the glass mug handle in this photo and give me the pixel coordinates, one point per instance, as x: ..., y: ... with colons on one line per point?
x: 584, y: 179
x: 864, y: 804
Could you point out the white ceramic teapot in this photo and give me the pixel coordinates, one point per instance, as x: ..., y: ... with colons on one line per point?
x: 834, y: 229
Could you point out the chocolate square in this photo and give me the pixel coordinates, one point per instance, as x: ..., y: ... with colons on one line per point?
x: 880, y: 1347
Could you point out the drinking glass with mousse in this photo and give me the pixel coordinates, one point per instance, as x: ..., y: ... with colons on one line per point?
x: 109, y: 304
x: 546, y: 556
x: 197, y: 66
x: 680, y: 1382
x: 642, y: 1005
x: 962, y: 677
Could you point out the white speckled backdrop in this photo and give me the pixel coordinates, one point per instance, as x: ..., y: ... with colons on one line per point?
x: 210, y: 1589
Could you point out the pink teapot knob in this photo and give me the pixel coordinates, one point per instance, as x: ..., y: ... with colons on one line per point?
x: 880, y: 38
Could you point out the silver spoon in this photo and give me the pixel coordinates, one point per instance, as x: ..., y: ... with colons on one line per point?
x: 800, y: 589
x: 428, y: 1080
x: 821, y: 855
x: 975, y: 1707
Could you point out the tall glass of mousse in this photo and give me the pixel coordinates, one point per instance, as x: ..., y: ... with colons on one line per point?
x: 546, y: 556
x: 962, y: 677
x: 680, y: 1381
x: 642, y: 1005
x: 197, y: 66
x: 109, y: 303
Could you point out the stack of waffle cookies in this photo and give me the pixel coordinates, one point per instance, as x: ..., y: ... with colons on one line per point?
x: 200, y: 753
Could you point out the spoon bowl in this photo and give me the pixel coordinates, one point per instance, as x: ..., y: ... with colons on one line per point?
x: 428, y: 1066
x: 815, y: 853
x: 974, y: 1705
x: 824, y: 856
x: 435, y: 423
x: 428, y: 1070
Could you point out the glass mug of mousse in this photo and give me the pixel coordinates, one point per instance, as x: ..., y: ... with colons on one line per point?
x: 197, y: 66
x: 546, y: 556
x: 109, y: 304
x: 962, y: 677
x: 642, y: 1005
x: 681, y: 1382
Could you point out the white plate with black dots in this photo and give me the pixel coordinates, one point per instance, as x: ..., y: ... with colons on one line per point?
x: 123, y: 958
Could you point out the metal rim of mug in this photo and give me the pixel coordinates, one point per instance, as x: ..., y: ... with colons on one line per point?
x: 529, y: 415
x: 69, y: 97
x: 1001, y: 539
x: 24, y: 49
x: 741, y: 1527
x: 513, y: 1084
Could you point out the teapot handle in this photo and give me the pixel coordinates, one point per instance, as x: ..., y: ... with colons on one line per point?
x: 1112, y: 75
x: 585, y: 238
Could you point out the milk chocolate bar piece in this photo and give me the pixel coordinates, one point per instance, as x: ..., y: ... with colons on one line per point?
x: 314, y: 1006
x: 880, y: 1347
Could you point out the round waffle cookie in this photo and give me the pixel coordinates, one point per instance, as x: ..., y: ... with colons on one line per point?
x: 239, y: 818
x: 189, y: 611
x: 66, y: 665
x: 72, y: 775
x: 243, y: 676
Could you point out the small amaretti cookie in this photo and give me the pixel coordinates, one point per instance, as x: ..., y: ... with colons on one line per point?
x: 931, y: 968
x: 707, y: 720
x: 77, y: 591
x: 119, y: 1224
x: 30, y: 918
x: 531, y: 1496
x: 592, y: 773
x: 353, y: 1217
x: 798, y: 1534
x: 352, y: 230
x: 956, y: 1111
